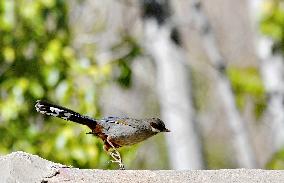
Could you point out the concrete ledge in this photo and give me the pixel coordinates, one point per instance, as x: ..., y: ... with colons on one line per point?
x: 24, y: 167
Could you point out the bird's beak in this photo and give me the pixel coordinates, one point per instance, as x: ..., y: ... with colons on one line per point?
x: 167, y: 130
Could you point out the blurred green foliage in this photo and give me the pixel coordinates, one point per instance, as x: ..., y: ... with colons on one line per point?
x: 122, y: 64
x: 247, y: 82
x: 277, y: 161
x: 272, y: 25
x: 37, y: 61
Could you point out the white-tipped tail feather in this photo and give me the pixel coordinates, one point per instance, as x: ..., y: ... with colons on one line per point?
x: 49, y: 109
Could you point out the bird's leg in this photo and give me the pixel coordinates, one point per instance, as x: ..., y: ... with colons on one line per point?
x: 117, y: 159
x: 115, y: 155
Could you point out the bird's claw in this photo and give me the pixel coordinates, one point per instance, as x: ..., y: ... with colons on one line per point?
x: 120, y: 164
x: 117, y: 159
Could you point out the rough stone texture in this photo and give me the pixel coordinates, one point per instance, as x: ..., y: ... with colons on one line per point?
x: 23, y: 167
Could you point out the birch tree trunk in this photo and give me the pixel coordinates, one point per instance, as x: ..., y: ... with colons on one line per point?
x: 174, y: 87
x: 272, y: 71
x: 242, y: 144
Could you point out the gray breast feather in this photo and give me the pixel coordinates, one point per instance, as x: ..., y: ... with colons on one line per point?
x: 127, y: 135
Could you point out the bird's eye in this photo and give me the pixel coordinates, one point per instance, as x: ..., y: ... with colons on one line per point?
x: 154, y: 125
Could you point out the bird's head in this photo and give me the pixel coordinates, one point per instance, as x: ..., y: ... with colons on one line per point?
x: 158, y: 125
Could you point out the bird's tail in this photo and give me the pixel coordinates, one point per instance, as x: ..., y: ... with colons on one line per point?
x: 47, y: 108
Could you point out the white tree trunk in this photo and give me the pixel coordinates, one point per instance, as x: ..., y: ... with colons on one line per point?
x: 174, y: 90
x: 175, y: 97
x: 242, y: 144
x: 272, y: 71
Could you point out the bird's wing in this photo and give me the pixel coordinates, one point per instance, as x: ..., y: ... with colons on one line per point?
x: 120, y: 121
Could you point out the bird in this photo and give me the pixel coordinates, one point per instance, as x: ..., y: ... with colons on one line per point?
x: 115, y: 132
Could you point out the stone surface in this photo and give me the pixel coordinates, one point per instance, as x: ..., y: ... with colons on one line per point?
x: 23, y: 167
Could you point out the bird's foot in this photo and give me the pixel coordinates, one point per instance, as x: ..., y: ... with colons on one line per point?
x: 117, y: 159
x: 120, y: 164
